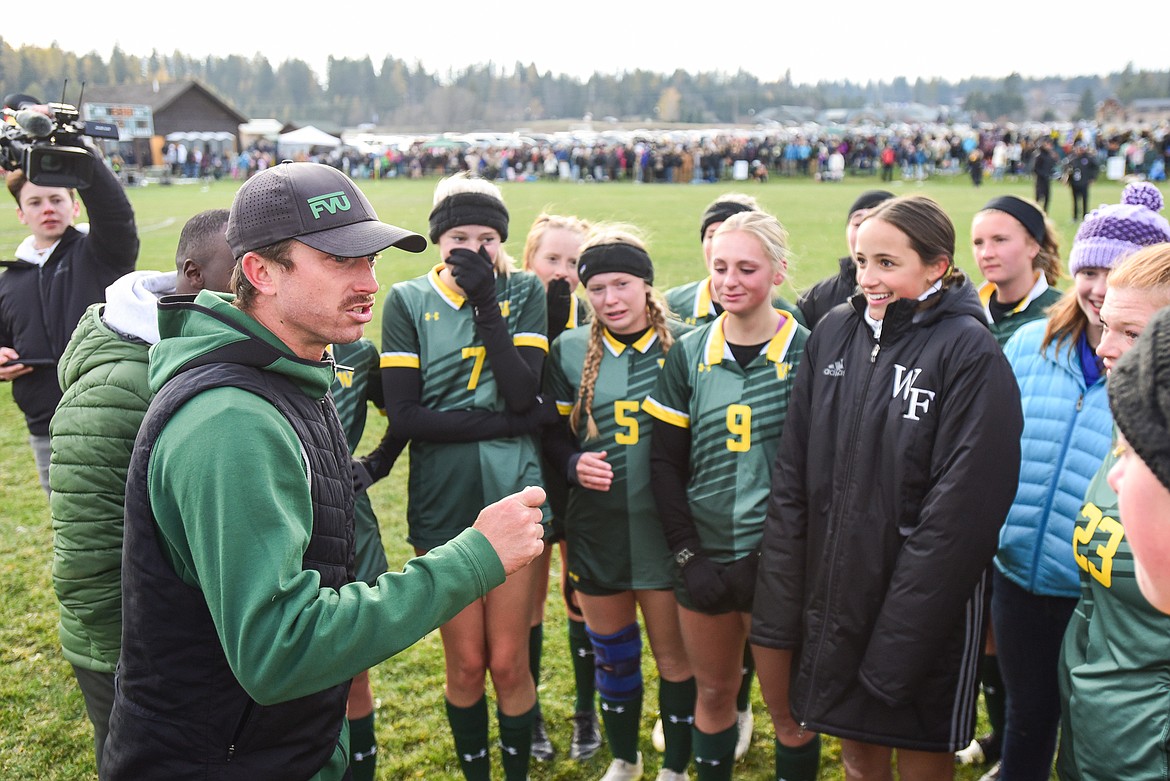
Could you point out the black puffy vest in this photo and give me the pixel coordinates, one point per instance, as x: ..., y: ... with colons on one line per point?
x: 179, y: 712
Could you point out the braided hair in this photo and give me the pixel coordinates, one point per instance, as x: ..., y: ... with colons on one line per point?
x: 657, y: 314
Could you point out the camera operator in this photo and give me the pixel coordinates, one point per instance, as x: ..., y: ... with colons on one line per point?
x: 59, y: 270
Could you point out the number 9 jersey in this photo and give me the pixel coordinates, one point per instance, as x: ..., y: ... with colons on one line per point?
x: 735, y: 415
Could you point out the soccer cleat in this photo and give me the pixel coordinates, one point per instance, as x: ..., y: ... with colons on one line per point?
x: 991, y: 775
x: 542, y: 747
x: 657, y: 737
x: 666, y: 774
x: 586, y: 735
x: 745, y: 722
x: 981, y: 751
x: 621, y: 770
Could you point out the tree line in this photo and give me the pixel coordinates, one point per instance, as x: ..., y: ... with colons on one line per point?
x: 398, y: 94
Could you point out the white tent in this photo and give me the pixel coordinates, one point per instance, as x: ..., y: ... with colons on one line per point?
x: 307, y: 136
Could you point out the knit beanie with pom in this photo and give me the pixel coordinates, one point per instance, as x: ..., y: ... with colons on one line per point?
x: 1113, y: 232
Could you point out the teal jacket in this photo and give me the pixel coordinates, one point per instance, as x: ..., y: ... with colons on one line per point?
x: 230, y: 495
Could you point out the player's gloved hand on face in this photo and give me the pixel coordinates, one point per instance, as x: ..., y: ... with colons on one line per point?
x: 560, y: 299
x: 705, y: 582
x: 475, y: 274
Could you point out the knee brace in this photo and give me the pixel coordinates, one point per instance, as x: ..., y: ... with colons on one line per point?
x: 617, y: 660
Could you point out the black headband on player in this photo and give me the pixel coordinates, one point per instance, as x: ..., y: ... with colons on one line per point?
x: 719, y: 212
x: 606, y: 258
x: 1025, y: 213
x: 469, y: 209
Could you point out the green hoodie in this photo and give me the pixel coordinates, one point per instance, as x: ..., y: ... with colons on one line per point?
x: 230, y: 494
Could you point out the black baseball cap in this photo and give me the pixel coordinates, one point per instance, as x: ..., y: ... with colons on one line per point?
x: 315, y: 204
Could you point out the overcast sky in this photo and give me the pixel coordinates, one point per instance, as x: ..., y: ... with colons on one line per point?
x: 847, y: 39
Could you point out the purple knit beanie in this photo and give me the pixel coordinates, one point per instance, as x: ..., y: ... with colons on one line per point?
x: 1113, y: 232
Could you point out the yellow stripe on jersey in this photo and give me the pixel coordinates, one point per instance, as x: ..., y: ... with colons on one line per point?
x: 565, y: 408
x: 447, y: 294
x: 399, y: 361
x: 703, y: 306
x: 616, y: 348
x: 667, y: 415
x: 716, y: 345
x: 778, y: 346
x: 531, y: 340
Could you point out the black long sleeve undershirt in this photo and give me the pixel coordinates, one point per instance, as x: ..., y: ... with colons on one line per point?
x: 402, y: 388
x: 670, y: 464
x: 517, y: 370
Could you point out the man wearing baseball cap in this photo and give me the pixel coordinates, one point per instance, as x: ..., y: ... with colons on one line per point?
x: 242, y: 625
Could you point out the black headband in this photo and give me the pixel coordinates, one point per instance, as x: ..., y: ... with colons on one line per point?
x: 869, y: 199
x: 468, y: 209
x: 719, y: 212
x: 1025, y: 213
x: 618, y: 256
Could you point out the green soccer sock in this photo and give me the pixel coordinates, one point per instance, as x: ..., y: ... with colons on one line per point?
x: 621, y: 720
x: 800, y: 763
x: 581, y: 649
x: 469, y: 728
x: 363, y: 748
x: 715, y: 754
x: 676, y: 707
x: 743, y: 700
x: 516, y: 743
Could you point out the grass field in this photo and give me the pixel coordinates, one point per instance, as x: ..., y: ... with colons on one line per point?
x: 44, y: 733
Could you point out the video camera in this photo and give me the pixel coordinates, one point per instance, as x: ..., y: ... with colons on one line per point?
x: 49, y: 148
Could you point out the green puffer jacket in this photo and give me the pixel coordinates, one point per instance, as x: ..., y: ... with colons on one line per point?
x: 104, y: 376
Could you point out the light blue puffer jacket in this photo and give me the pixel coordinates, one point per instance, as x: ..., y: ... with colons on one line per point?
x: 1067, y: 432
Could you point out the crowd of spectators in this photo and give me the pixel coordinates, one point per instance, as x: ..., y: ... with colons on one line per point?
x: 909, y: 154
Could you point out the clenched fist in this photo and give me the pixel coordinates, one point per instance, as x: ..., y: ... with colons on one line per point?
x: 512, y: 525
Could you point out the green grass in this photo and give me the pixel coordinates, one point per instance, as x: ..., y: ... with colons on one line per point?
x: 44, y: 733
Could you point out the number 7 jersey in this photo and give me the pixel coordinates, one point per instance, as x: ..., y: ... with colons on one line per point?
x: 429, y: 327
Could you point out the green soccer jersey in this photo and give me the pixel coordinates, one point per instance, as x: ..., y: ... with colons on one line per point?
x: 428, y: 326
x: 1115, y: 658
x: 693, y: 304
x: 614, y: 538
x: 1033, y: 307
x: 356, y: 383
x: 735, y: 416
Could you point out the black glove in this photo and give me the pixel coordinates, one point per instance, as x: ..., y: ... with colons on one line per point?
x: 560, y: 300
x: 705, y: 582
x: 476, y: 275
x: 741, y: 578
x: 362, y: 479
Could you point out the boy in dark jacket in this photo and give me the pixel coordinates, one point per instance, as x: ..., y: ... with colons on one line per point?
x: 59, y: 270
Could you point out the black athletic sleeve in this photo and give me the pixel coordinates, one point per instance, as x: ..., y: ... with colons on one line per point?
x: 515, y: 369
x: 409, y: 419
x: 379, y: 461
x: 670, y: 457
